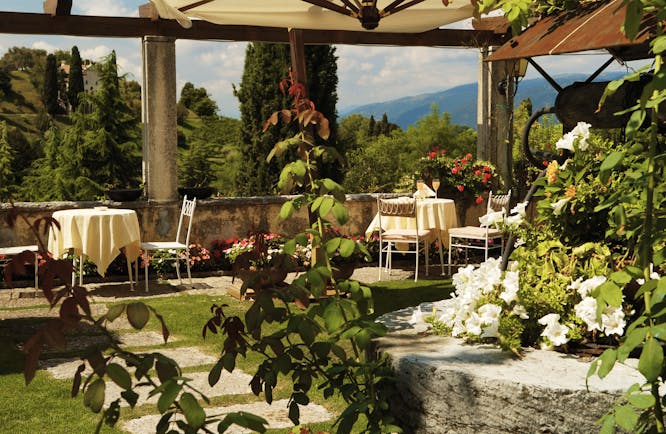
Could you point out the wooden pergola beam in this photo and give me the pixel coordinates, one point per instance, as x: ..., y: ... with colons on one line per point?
x: 129, y: 27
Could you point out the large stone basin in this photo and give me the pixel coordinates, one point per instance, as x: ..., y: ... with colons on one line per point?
x: 448, y: 386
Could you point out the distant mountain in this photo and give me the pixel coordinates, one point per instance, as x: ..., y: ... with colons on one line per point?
x: 460, y: 101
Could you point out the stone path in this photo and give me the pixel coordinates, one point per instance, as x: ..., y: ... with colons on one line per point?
x: 236, y: 383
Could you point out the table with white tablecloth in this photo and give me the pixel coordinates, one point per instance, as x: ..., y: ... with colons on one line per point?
x: 96, y: 233
x: 438, y: 215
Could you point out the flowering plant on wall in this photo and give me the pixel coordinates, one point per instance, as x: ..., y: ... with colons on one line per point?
x: 571, y: 279
x: 464, y: 179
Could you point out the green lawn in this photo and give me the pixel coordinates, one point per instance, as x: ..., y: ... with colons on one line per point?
x: 45, y: 405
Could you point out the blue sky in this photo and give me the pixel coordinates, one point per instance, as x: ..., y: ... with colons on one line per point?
x: 366, y: 74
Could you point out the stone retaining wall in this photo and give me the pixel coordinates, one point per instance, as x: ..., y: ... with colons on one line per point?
x: 450, y: 387
x: 218, y: 218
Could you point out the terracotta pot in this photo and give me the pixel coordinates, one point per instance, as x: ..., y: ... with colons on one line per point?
x: 261, y: 279
x: 198, y: 192
x: 124, y: 194
x: 344, y: 271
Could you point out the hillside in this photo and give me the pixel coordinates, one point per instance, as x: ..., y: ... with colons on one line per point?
x: 460, y: 101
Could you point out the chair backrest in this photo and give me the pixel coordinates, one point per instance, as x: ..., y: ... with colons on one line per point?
x: 499, y: 202
x: 400, y: 207
x: 397, y: 207
x: 187, y: 209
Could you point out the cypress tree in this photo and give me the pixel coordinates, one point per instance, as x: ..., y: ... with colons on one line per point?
x: 75, y: 79
x: 259, y: 95
x: 50, y: 88
x: 372, y: 127
x: 6, y: 163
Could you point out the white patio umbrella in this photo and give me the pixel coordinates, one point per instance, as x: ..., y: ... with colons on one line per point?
x: 399, y: 16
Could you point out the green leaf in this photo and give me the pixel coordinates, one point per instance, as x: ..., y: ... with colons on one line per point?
x: 119, y: 375
x: 642, y: 401
x: 607, y: 359
x: 611, y: 293
x: 287, y: 210
x: 608, y: 425
x: 626, y: 418
x: 633, y: 339
x: 347, y: 247
x: 340, y: 213
x: 652, y: 357
x: 168, y: 396
x: 114, y: 312
x: 659, y: 44
x: 166, y: 369
x: 246, y: 420
x: 332, y: 245
x: 333, y: 318
x: 215, y: 373
x: 94, y: 395
x: 194, y: 414
x: 326, y: 205
x: 610, y: 162
x: 137, y: 315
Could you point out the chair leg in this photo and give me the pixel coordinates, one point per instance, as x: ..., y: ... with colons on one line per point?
x: 36, y: 270
x: 180, y: 279
x: 441, y: 255
x: 187, y: 263
x: 145, y: 269
x: 427, y: 257
x: 416, y: 269
x: 381, y: 249
x: 450, y: 242
x: 129, y: 273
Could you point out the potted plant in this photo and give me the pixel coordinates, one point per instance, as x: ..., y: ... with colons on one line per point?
x: 465, y: 180
x: 194, y: 172
x: 259, y: 261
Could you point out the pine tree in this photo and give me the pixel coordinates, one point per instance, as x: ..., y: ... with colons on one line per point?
x: 75, y: 79
x: 372, y: 127
x: 100, y: 149
x: 259, y: 95
x: 50, y: 88
x: 6, y: 163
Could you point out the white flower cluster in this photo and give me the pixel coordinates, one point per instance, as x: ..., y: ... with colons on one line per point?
x: 580, y: 132
x: 466, y: 313
x: 612, y: 317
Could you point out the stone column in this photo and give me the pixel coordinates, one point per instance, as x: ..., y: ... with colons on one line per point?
x: 158, y: 96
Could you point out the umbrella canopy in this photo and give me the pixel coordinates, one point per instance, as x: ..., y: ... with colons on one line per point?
x: 406, y: 17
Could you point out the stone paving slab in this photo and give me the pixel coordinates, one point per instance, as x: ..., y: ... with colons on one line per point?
x: 184, y: 356
x: 276, y: 414
x: 236, y: 383
x: 143, y: 339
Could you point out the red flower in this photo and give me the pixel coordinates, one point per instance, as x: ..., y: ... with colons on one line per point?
x: 477, y: 172
x: 463, y: 161
x: 486, y: 169
x: 484, y: 180
x: 443, y: 151
x: 487, y: 176
x: 432, y: 155
x: 545, y: 163
x: 460, y: 188
x: 455, y: 170
x: 435, y: 148
x: 479, y: 200
x: 468, y: 156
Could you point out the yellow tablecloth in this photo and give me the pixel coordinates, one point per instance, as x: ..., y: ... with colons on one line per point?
x: 97, y: 233
x: 437, y: 215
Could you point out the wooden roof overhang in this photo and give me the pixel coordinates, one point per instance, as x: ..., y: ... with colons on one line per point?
x: 596, y: 26
x: 130, y: 27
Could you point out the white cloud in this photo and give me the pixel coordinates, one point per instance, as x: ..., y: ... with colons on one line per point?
x: 112, y: 8
x: 43, y: 45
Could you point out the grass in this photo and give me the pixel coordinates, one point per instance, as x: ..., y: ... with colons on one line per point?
x: 45, y: 405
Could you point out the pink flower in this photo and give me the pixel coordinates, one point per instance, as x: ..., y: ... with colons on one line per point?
x: 479, y: 200
x: 460, y: 188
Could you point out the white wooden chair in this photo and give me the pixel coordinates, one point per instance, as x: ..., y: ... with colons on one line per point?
x: 482, y: 237
x: 388, y: 238
x: 15, y: 250
x: 178, y: 246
